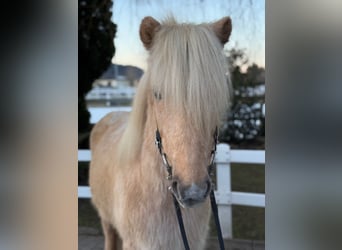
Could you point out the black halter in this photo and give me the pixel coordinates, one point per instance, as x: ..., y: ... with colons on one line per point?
x: 159, y: 145
x: 158, y: 142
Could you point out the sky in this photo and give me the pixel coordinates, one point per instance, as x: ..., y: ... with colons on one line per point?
x: 248, y: 20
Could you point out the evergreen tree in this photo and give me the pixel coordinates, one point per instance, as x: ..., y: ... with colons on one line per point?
x: 96, y: 48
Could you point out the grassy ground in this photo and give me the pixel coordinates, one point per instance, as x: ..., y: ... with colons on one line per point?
x: 248, y: 222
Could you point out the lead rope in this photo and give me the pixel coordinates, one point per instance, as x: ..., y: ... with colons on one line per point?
x: 180, y: 223
x: 158, y: 142
x: 216, y: 218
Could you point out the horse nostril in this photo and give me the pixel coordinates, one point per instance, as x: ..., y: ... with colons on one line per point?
x: 194, y: 191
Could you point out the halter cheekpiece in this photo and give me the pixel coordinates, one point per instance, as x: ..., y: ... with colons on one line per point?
x: 158, y: 142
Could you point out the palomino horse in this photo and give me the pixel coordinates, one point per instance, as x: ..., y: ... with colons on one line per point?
x: 184, y: 94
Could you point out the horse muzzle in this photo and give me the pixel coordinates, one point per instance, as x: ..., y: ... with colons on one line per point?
x: 191, y: 195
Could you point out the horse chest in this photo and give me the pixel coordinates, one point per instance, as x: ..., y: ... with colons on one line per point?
x: 153, y: 224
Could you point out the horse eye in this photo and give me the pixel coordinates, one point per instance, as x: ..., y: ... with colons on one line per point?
x: 157, y: 95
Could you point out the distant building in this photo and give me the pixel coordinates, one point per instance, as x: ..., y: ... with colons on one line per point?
x: 110, y: 82
x: 116, y: 86
x: 108, y: 93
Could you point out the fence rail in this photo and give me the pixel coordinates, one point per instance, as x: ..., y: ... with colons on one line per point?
x: 225, y: 197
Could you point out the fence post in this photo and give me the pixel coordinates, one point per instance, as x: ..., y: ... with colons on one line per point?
x: 223, y: 192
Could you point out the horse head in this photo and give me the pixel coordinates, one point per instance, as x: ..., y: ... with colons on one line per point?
x: 189, y: 94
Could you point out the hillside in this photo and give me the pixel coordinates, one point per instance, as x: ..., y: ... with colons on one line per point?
x: 114, y: 70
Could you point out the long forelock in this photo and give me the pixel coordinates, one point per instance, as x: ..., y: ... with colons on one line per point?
x: 188, y: 68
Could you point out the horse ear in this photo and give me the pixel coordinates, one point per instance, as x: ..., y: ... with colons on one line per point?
x: 222, y: 29
x: 148, y: 28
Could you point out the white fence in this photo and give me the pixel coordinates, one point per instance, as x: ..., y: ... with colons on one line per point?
x: 225, y: 197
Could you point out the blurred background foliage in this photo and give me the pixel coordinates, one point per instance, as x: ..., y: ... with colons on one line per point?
x: 245, y: 125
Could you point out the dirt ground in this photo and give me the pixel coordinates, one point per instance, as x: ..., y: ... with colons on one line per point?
x: 92, y: 239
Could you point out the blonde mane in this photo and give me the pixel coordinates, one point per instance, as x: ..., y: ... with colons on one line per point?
x: 187, y: 67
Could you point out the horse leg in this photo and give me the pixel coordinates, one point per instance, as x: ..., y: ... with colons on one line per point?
x: 112, y: 241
